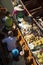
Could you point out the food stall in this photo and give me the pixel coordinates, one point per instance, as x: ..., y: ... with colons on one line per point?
x: 29, y: 33
x: 33, y: 34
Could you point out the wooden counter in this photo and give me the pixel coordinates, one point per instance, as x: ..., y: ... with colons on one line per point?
x: 30, y: 58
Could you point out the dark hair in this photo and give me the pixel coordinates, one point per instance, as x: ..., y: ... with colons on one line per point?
x: 15, y: 32
x: 7, y: 13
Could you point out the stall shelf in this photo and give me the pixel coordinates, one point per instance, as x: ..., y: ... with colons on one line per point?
x: 26, y: 8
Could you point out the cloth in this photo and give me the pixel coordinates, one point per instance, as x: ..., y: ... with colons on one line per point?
x: 20, y: 14
x: 8, y: 21
x: 11, y: 42
x: 14, y: 12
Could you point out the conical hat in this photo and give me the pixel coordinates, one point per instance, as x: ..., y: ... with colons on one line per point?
x: 18, y: 8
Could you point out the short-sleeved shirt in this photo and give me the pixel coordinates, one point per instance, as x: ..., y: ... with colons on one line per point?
x: 11, y: 42
x: 8, y: 22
